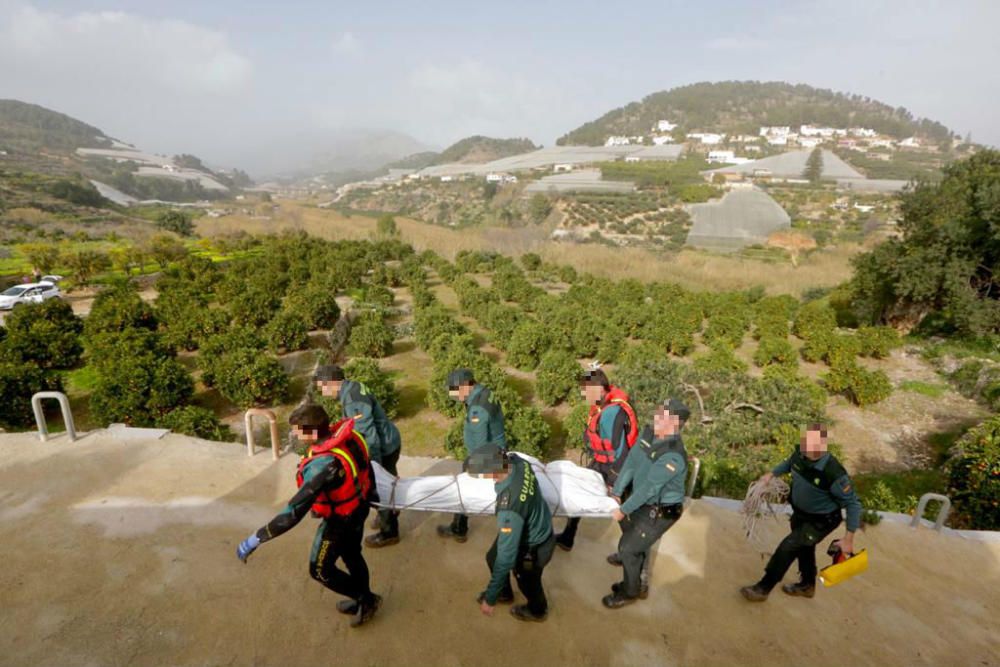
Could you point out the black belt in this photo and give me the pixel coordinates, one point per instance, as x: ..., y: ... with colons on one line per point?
x: 656, y: 511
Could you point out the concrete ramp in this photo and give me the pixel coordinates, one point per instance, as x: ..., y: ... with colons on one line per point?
x: 121, y: 552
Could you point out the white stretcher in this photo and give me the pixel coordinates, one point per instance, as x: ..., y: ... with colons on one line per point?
x: 569, y: 490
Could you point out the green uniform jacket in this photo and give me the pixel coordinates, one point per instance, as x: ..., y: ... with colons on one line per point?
x: 657, y: 470
x: 523, y: 521
x: 483, y: 421
x: 370, y: 419
x: 821, y: 487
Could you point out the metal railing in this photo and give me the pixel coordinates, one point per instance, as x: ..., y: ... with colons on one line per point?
x: 695, y: 466
x: 248, y: 422
x: 67, y: 414
x: 942, y: 515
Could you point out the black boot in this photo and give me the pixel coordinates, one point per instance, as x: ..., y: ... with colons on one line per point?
x: 349, y: 607
x: 620, y: 588
x: 366, y: 610
x: 801, y: 589
x: 522, y: 613
x: 379, y: 540
x: 448, y: 530
x: 755, y: 593
x: 617, y: 600
x: 564, y: 543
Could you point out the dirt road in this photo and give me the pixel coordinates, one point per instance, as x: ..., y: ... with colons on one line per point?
x: 122, y: 553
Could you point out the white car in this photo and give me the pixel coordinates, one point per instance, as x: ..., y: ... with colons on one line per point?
x: 28, y: 293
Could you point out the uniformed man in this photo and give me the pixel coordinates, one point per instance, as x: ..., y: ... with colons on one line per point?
x: 524, y: 542
x: 657, y: 470
x: 335, y: 483
x: 483, y: 427
x: 610, y: 431
x: 380, y: 434
x: 821, y: 487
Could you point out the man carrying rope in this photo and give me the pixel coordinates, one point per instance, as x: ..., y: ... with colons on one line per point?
x: 821, y: 487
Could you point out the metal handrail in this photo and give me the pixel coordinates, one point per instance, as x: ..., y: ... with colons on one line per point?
x: 695, y: 464
x: 67, y: 413
x: 942, y: 515
x: 248, y: 422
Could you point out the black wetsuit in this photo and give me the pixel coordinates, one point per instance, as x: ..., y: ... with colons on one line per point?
x: 337, y: 537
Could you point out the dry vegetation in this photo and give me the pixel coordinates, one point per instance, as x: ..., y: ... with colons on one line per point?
x: 689, y: 268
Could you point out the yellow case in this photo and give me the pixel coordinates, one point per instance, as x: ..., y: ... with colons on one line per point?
x: 832, y: 575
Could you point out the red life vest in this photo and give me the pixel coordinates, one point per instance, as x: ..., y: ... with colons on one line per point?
x: 604, y: 450
x: 349, y: 447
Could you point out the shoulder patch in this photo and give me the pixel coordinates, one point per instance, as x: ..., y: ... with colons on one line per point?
x: 671, y: 467
x: 506, y: 529
x: 503, y: 500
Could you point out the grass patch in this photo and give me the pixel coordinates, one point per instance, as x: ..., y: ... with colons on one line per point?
x: 81, y: 380
x: 924, y: 388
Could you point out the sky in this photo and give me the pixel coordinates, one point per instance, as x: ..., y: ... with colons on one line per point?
x: 265, y: 85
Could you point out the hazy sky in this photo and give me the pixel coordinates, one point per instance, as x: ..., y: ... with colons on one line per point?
x: 230, y: 80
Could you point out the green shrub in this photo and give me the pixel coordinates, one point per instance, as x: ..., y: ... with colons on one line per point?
x: 186, y: 319
x: 775, y: 351
x: 18, y: 382
x: 726, y: 329
x: 611, y: 345
x: 379, y: 383
x: 316, y: 304
x: 139, y: 389
x: 974, y: 477
x: 370, y: 336
x: 177, y: 222
x: 378, y: 296
x: 435, y: 321
x: 527, y: 344
x: 814, y: 318
x: 248, y: 378
x: 558, y: 375
x: 531, y: 261
x: 841, y: 350
x: 877, y: 341
x: 255, y: 306
x: 672, y: 335
x: 574, y: 423
x: 862, y: 387
x: 286, y: 332
x: 197, y: 422
x: 46, y: 334
x: 719, y: 359
x: 527, y: 432
x: 116, y: 309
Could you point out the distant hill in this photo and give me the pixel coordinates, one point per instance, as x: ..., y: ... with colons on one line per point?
x: 478, y: 149
x: 741, y: 107
x: 29, y: 127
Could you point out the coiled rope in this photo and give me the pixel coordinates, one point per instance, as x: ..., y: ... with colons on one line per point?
x: 758, y: 507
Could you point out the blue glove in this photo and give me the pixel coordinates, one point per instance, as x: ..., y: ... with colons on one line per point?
x: 247, y: 547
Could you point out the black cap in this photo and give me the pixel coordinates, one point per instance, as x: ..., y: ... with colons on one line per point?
x: 331, y: 372
x: 676, y: 407
x: 485, y: 461
x: 309, y: 416
x: 458, y: 377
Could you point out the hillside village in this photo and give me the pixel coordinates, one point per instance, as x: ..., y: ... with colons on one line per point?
x: 609, y: 193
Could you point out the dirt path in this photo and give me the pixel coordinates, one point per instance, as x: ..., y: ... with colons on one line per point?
x: 123, y: 553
